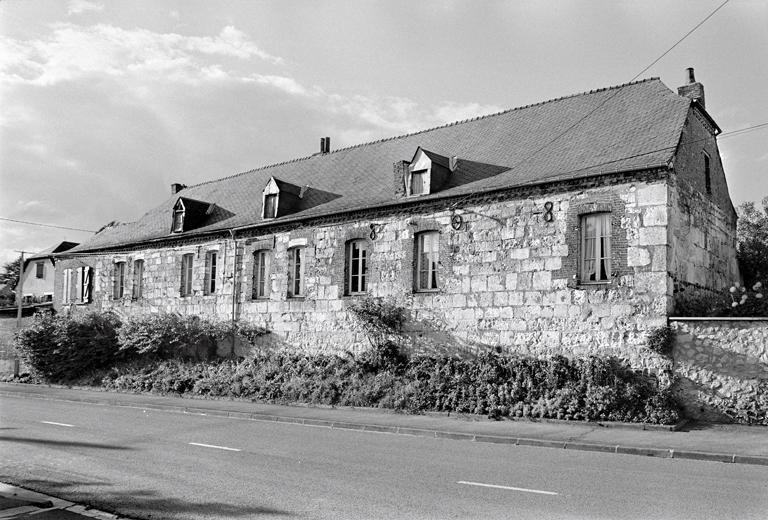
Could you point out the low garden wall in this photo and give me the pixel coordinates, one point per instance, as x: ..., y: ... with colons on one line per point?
x: 722, y: 368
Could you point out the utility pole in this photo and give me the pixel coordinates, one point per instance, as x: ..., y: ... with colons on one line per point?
x: 19, y: 298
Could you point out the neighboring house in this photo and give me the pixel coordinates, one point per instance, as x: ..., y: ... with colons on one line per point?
x: 38, y: 274
x: 560, y: 226
x: 7, y: 295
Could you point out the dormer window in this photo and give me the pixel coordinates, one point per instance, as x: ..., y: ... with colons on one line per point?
x: 190, y: 214
x: 270, y: 206
x: 178, y: 217
x: 427, y: 172
x: 418, y: 179
x: 280, y: 198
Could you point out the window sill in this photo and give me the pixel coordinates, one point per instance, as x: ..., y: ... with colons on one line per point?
x: 427, y: 291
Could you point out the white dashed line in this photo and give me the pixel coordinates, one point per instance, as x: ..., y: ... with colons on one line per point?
x: 214, y: 446
x: 507, y: 487
x: 58, y: 424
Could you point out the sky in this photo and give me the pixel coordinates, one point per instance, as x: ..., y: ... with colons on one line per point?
x: 106, y: 103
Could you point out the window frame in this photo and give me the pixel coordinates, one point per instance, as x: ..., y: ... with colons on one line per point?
x: 363, y: 264
x: 260, y: 276
x: 422, y: 174
x: 296, y: 272
x: 39, y: 270
x: 137, y: 288
x: 707, y: 173
x: 270, y: 197
x: 187, y: 265
x: 603, y: 254
x: 118, y: 280
x: 178, y: 220
x: 211, y: 271
x: 432, y: 271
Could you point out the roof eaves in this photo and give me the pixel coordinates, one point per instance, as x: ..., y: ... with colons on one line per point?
x: 429, y: 198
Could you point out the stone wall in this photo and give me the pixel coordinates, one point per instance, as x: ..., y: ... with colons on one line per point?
x: 508, y: 275
x: 702, y: 225
x: 722, y: 364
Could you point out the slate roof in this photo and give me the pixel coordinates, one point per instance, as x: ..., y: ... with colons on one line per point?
x: 56, y: 248
x: 624, y: 128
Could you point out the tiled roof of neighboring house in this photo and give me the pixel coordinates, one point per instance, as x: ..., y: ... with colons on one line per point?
x: 623, y: 128
x: 56, y: 248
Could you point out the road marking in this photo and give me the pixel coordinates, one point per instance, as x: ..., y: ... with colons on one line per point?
x: 58, y: 424
x: 214, y: 446
x: 507, y: 487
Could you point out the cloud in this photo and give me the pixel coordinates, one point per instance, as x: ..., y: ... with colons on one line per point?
x: 81, y: 6
x: 72, y: 52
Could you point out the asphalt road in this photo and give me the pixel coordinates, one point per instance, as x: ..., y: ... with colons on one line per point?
x: 154, y: 464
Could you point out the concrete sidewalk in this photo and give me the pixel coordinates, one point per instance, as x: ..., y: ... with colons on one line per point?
x: 22, y: 504
x: 712, y: 442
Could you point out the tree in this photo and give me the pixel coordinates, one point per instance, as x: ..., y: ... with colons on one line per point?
x: 752, y: 248
x: 10, y: 274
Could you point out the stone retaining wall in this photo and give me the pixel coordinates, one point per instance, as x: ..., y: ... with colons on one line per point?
x: 722, y: 365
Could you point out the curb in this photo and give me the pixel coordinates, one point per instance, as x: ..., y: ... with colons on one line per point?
x: 664, y: 453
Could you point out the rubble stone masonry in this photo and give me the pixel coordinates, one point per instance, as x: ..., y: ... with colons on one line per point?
x: 721, y: 364
x: 507, y: 277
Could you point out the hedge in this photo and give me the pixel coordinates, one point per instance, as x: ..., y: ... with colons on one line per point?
x: 155, y: 354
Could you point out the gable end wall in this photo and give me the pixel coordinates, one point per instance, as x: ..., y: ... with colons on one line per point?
x: 702, y: 231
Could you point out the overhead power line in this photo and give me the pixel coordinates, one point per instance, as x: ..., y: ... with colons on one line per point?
x: 46, y: 225
x: 731, y: 133
x: 606, y: 100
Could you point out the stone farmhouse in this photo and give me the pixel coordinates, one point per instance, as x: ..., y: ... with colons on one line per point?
x: 562, y: 226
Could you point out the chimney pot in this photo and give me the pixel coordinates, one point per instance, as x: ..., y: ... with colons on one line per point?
x: 327, y: 145
x: 693, y: 89
x: 322, y: 145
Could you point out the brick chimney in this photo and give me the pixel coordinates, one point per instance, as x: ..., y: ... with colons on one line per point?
x: 693, y: 89
x: 176, y: 187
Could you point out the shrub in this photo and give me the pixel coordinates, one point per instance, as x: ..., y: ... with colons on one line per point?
x: 661, y: 340
x: 61, y: 347
x: 165, y: 336
x: 381, y: 319
x: 736, y: 301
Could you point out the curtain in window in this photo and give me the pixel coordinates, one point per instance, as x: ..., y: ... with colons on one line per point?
x: 596, y: 248
x: 427, y: 261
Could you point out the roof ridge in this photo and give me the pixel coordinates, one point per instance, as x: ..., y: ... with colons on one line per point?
x: 445, y: 125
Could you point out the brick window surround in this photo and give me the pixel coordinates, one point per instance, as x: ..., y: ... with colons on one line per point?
x: 609, y: 203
